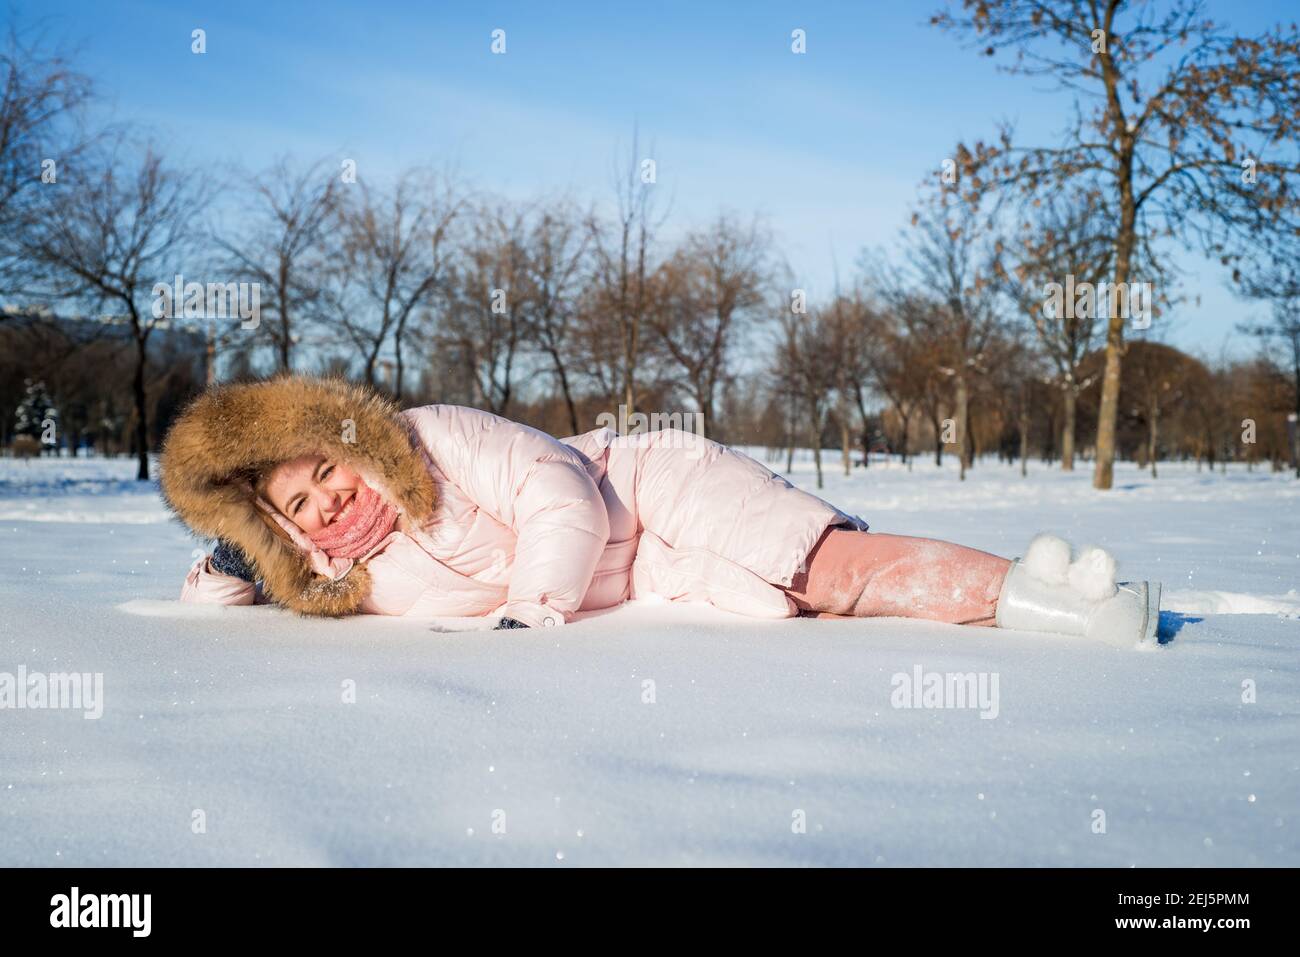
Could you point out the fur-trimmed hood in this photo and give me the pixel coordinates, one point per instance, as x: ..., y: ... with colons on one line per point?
x: 231, y: 431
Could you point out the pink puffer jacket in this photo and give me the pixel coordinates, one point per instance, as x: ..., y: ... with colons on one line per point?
x: 535, y: 528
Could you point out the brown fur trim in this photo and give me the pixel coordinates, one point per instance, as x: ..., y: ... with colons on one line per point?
x: 230, y: 431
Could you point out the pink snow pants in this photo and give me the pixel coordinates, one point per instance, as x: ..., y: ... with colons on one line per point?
x: 853, y: 574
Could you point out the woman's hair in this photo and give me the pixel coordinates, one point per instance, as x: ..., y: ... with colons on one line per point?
x: 260, y: 479
x: 252, y: 477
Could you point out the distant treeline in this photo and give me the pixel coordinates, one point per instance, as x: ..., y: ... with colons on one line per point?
x: 129, y: 282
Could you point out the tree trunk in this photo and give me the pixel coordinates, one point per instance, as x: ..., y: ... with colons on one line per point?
x: 286, y: 339
x: 973, y: 448
x: 907, y: 428
x: 1067, y: 430
x: 846, y: 445
x: 817, y: 446
x: 568, y: 397
x: 141, y: 408
x: 706, y: 417
x: 1295, y: 380
x: 629, y: 361
x: 791, y: 432
x: 866, y: 428
x: 1024, y: 442
x: 210, y: 355
x: 397, y: 369
x: 1103, y: 476
x: 963, y: 423
x: 1151, y: 437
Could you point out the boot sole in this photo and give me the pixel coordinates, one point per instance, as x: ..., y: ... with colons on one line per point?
x: 1151, y: 626
x: 1149, y: 595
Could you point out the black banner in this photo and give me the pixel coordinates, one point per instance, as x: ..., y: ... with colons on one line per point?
x: 337, y: 906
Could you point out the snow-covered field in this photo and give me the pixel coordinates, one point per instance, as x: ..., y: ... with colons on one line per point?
x: 658, y: 733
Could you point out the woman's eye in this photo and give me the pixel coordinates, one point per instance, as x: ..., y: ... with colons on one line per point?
x: 326, y: 474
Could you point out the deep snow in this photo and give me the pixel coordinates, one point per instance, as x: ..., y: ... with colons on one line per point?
x: 239, y: 713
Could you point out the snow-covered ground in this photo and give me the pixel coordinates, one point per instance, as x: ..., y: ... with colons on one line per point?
x: 661, y: 733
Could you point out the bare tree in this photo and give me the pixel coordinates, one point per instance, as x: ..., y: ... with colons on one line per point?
x: 622, y: 252
x: 709, y: 291
x: 105, y: 237
x: 1279, y: 284
x: 898, y: 367
x: 556, y: 249
x: 1067, y: 244
x: 278, y: 241
x: 1155, y: 380
x: 948, y: 296
x: 862, y: 334
x: 486, y: 318
x: 804, y: 371
x: 1171, y: 113
x: 393, y: 253
x: 41, y: 92
x: 847, y: 322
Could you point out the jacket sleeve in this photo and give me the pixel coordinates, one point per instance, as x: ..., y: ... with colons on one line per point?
x: 534, y: 485
x: 205, y: 585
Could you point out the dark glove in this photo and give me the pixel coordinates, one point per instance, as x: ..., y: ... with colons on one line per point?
x: 509, y: 623
x: 229, y: 560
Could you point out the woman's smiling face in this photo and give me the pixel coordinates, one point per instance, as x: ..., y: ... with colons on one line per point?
x: 311, y: 490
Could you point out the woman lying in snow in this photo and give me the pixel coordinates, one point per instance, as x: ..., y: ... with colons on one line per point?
x: 338, y: 503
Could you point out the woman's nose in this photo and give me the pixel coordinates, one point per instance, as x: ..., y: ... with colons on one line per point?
x: 327, y: 500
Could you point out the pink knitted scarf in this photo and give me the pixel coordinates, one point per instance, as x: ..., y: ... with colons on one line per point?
x: 363, y: 526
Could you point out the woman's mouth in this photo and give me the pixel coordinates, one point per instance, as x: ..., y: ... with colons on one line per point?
x: 343, y: 511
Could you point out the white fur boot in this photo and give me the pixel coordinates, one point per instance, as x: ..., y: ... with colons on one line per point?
x: 1046, y: 591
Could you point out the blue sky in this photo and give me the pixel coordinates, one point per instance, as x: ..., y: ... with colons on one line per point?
x: 829, y: 146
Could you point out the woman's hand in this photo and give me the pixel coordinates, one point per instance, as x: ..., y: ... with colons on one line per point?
x: 226, y: 559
